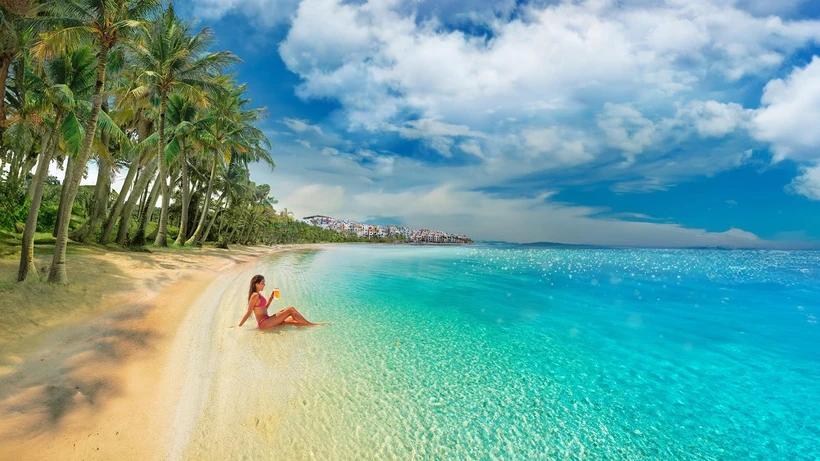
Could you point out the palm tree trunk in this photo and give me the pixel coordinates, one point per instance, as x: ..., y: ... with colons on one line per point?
x: 247, y: 235
x: 45, y: 145
x: 125, y: 219
x: 57, y: 273
x: 99, y: 203
x: 194, y: 240
x: 69, y: 171
x: 145, y: 216
x: 27, y: 254
x: 28, y: 164
x: 162, y: 230
x: 4, y: 75
x: 217, y: 210
x: 186, y: 192
x: 116, y: 210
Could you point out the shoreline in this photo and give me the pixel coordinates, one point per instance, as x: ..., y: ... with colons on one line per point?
x: 106, y: 382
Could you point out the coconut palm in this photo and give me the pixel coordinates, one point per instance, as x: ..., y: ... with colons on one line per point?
x: 103, y: 23
x: 15, y: 32
x: 66, y: 81
x: 231, y: 129
x: 182, y: 117
x: 172, y: 58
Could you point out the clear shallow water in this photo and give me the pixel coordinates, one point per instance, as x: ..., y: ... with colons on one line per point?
x: 494, y: 353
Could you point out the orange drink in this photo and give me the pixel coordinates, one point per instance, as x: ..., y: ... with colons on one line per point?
x: 276, y: 293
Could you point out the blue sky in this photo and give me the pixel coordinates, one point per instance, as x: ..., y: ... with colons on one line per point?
x: 657, y: 123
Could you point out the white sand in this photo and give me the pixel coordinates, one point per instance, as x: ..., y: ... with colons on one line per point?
x: 129, y: 381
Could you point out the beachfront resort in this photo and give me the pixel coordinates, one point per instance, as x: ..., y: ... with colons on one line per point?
x: 398, y: 233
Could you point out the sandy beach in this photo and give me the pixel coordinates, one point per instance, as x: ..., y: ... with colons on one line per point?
x: 97, y: 376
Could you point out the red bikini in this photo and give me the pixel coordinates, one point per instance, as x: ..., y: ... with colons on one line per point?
x: 262, y: 303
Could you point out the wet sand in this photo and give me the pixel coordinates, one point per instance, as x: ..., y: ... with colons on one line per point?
x: 94, y: 376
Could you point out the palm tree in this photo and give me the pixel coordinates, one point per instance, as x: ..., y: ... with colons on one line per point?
x: 182, y: 117
x: 103, y: 23
x: 171, y: 58
x: 231, y: 130
x: 14, y: 29
x: 67, y: 79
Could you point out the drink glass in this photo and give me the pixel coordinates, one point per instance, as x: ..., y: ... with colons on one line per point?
x: 276, y: 293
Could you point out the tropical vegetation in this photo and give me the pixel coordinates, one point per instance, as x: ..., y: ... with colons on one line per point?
x: 129, y: 87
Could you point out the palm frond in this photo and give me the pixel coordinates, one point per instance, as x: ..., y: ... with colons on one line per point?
x: 72, y: 133
x: 107, y: 126
x: 172, y: 149
x: 63, y: 41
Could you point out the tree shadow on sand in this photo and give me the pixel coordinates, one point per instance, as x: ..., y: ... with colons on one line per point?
x: 70, y: 369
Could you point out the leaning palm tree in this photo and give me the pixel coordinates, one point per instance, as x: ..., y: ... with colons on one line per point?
x: 230, y: 128
x: 172, y: 58
x: 67, y: 80
x: 182, y: 116
x: 103, y: 23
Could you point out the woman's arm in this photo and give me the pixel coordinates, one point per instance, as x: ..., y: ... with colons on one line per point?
x: 251, y: 302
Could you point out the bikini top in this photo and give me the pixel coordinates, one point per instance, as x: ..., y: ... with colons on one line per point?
x: 262, y: 301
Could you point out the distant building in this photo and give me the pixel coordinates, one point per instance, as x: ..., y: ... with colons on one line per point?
x: 375, y: 231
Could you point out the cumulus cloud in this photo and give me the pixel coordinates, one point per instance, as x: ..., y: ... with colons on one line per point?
x: 713, y: 119
x: 560, y: 147
x: 399, y: 68
x: 358, y: 52
x: 558, y: 86
x: 790, y: 114
x: 262, y: 13
x: 626, y: 129
x: 808, y: 183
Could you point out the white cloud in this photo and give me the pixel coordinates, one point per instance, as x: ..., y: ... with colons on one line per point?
x: 561, y: 86
x: 262, y: 13
x: 428, y: 127
x: 808, y: 183
x: 551, y: 66
x: 713, y: 118
x: 373, y: 55
x: 558, y: 147
x: 790, y: 115
x: 435, y: 134
x: 384, y: 165
x: 472, y: 147
x: 301, y: 126
x: 626, y: 129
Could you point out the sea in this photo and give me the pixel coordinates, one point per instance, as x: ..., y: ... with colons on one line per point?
x: 506, y: 352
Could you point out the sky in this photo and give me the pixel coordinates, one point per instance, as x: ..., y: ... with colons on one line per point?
x: 611, y: 122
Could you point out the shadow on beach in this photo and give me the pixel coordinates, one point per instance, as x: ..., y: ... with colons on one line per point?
x: 69, y: 370
x: 60, y: 345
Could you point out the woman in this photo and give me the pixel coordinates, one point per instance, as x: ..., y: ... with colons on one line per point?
x: 259, y: 306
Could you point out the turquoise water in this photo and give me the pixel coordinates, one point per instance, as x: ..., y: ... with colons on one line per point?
x: 509, y: 353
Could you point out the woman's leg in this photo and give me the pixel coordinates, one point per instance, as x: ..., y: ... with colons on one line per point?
x: 284, y: 317
x: 299, y: 318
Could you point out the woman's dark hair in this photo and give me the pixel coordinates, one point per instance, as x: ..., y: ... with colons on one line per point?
x: 254, y: 280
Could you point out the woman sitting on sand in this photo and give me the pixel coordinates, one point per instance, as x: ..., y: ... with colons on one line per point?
x: 259, y: 306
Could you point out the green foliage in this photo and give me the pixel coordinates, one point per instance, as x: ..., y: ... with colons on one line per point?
x: 13, y: 206
x: 47, y: 217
